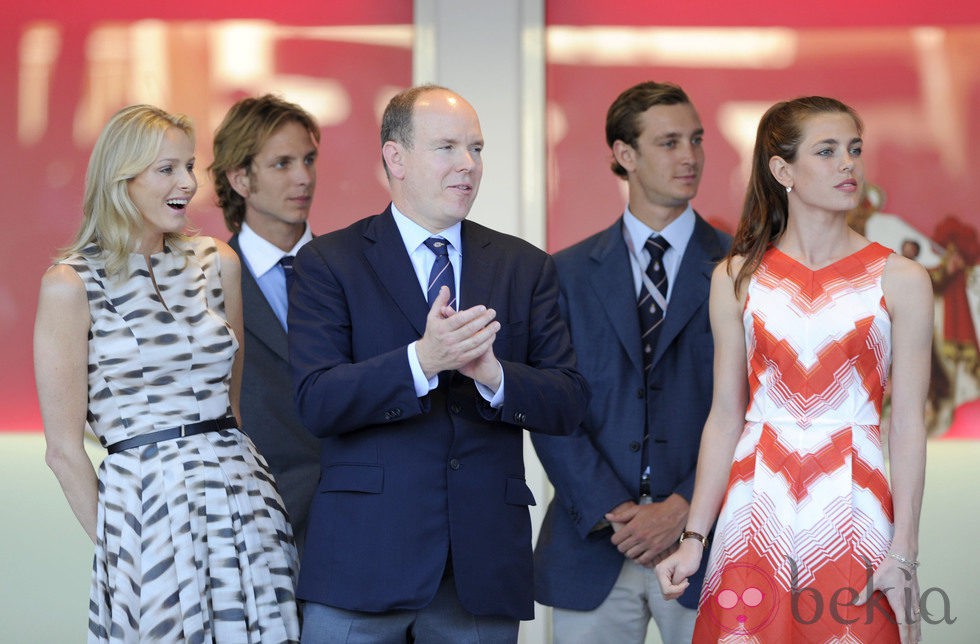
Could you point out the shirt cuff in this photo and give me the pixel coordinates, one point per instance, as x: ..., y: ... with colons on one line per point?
x: 496, y: 399
x: 423, y: 385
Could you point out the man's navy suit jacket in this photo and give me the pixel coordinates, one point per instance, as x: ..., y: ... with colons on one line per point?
x: 597, y: 467
x: 269, y: 414
x: 404, y: 479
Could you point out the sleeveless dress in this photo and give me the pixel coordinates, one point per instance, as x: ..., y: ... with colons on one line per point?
x: 808, y: 515
x: 193, y: 544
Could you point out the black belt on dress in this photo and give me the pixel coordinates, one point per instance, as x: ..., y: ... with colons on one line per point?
x: 201, y: 427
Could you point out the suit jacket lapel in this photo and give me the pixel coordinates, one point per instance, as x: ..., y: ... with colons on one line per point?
x: 390, y: 261
x: 613, y: 284
x: 692, y: 283
x: 479, y: 264
x: 260, y: 319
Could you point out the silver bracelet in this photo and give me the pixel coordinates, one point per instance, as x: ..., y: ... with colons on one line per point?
x: 904, y: 560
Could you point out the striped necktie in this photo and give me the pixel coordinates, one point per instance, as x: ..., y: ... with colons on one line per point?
x: 286, y: 261
x: 442, y: 271
x: 651, y: 313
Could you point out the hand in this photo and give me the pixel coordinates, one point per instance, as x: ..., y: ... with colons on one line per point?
x: 673, y: 572
x: 484, y: 369
x: 898, y: 583
x: 620, y: 510
x: 642, y: 532
x: 455, y: 339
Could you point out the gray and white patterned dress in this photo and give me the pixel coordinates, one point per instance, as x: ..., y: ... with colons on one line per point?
x: 193, y: 542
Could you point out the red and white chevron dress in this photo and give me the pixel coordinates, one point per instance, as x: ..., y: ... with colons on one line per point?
x: 808, y: 510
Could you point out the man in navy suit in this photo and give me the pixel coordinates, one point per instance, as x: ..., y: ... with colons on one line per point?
x: 624, y: 479
x: 264, y: 174
x: 422, y: 345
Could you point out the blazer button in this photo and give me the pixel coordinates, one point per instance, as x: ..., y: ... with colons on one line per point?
x: 639, y: 392
x: 454, y: 464
x: 455, y: 408
x: 520, y: 417
x: 634, y: 446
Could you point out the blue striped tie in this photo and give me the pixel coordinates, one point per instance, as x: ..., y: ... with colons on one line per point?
x: 651, y: 315
x: 442, y: 273
x: 286, y: 261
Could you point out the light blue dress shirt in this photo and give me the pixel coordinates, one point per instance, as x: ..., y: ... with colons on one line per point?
x: 261, y: 257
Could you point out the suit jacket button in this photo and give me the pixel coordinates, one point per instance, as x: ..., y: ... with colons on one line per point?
x: 520, y: 417
x: 455, y: 408
x: 639, y: 392
x: 634, y: 446
x: 454, y: 463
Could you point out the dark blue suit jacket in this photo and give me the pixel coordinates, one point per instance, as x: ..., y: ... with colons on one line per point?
x: 598, y: 466
x: 268, y: 413
x: 405, y: 479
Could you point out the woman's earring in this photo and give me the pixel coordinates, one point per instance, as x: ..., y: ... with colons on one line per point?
x: 789, y: 189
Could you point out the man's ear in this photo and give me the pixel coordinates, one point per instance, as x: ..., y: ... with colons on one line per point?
x: 394, y: 155
x: 625, y: 154
x: 782, y: 171
x: 238, y: 178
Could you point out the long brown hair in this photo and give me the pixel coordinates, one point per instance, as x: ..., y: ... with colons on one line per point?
x: 765, y: 211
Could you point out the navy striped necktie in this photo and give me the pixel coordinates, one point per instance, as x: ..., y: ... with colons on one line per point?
x: 286, y: 261
x: 652, y: 314
x: 442, y: 273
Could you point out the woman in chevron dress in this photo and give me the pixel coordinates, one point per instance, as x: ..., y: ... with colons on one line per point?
x: 136, y: 336
x: 811, y: 321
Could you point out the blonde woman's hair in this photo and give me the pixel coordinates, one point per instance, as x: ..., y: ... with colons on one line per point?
x: 127, y: 145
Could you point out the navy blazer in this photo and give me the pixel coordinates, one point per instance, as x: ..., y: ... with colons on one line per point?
x: 407, y: 479
x: 598, y: 466
x: 269, y: 414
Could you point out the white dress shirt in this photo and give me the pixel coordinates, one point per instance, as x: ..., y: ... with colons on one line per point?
x: 677, y: 233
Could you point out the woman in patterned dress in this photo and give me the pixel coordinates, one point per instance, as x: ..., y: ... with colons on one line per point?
x: 810, y: 321
x: 136, y: 336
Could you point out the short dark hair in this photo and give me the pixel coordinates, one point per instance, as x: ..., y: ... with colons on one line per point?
x: 623, y: 117
x: 245, y: 129
x: 396, y: 123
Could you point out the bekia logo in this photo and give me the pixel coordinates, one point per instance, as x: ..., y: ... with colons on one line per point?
x: 748, y: 600
x: 836, y: 602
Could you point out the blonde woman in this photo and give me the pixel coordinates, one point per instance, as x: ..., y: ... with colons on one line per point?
x: 137, y: 336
